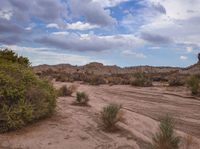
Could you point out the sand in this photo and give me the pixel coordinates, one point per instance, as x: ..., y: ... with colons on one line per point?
x: 76, y: 127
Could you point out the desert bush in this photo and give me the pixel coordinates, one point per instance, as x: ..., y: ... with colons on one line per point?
x: 61, y: 78
x: 8, y: 55
x: 110, y: 115
x: 193, y: 84
x: 141, y: 80
x: 66, y: 91
x: 82, y: 98
x: 165, y: 138
x: 175, y: 82
x: 24, y: 98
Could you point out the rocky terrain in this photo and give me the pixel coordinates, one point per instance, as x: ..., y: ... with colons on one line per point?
x: 76, y: 127
x: 98, y: 68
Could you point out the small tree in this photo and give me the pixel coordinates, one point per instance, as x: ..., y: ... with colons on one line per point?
x: 165, y: 138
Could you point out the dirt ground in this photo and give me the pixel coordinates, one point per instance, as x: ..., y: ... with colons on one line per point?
x: 76, y: 127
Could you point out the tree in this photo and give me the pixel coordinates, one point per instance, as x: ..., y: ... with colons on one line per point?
x: 199, y: 57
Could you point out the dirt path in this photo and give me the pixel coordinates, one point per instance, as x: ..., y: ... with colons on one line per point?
x: 74, y: 127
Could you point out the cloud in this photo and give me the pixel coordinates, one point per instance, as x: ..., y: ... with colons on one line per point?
x: 92, y: 12
x: 155, y: 38
x: 180, y: 21
x: 23, y: 11
x: 9, y: 39
x: 110, y: 3
x: 52, y: 25
x: 133, y: 54
x: 8, y: 27
x: 89, y: 42
x: 183, y: 57
x: 44, y: 56
x: 80, y: 26
x: 6, y: 14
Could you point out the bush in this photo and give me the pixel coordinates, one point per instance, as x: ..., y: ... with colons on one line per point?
x: 175, y: 82
x: 61, y: 78
x: 7, y: 55
x: 66, y: 91
x: 141, y: 80
x: 24, y: 98
x: 165, y: 138
x: 193, y: 84
x: 110, y: 116
x: 82, y: 98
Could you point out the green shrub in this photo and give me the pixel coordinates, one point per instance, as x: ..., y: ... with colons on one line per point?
x: 24, y: 97
x: 82, y: 98
x: 110, y: 116
x: 66, y: 91
x: 141, y: 80
x: 165, y: 138
x: 193, y: 84
x: 7, y: 55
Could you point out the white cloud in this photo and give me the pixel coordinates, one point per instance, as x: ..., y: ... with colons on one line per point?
x: 154, y: 48
x: 110, y: 3
x: 52, y: 25
x: 60, y: 33
x: 80, y: 26
x: 6, y: 14
x: 28, y: 28
x: 180, y: 9
x: 183, y: 57
x: 133, y: 54
x: 180, y: 23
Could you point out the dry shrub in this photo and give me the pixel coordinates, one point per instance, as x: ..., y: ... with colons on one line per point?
x: 82, y: 98
x: 165, y: 138
x: 110, y: 115
x: 66, y: 91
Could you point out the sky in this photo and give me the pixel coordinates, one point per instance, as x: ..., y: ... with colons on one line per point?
x: 112, y: 32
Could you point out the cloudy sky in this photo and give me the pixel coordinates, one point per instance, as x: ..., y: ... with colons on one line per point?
x: 121, y: 32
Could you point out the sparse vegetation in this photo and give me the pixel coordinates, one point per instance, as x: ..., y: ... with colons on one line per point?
x: 61, y: 78
x: 110, y: 115
x: 66, y: 91
x: 193, y: 84
x: 141, y: 80
x: 165, y: 138
x: 82, y: 98
x: 175, y: 82
x: 24, y: 98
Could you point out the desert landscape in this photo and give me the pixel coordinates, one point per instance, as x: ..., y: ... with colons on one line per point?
x: 99, y: 74
x: 77, y: 127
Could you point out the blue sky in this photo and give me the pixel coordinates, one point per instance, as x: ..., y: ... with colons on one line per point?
x: 113, y: 32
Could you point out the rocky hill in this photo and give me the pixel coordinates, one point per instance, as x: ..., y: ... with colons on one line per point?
x: 98, y: 68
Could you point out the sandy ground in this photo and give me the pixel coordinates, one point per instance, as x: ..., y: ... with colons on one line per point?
x: 75, y: 127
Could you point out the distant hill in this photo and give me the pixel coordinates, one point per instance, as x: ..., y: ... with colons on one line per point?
x: 98, y: 68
